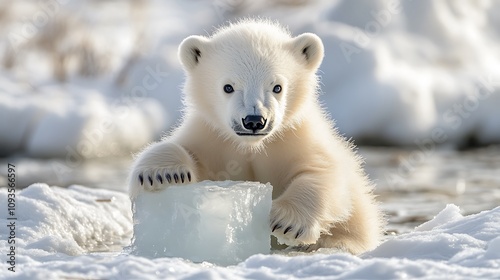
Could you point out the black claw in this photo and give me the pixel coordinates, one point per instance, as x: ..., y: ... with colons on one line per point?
x: 299, y: 233
x: 176, y: 178
x: 182, y: 177
x: 189, y: 176
x: 277, y: 226
x: 169, y: 178
x: 141, y: 179
x: 159, y: 178
x: 150, y: 180
x: 287, y: 229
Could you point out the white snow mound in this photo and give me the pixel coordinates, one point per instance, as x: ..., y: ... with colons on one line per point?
x: 76, y: 126
x: 388, y: 75
x: 60, y: 227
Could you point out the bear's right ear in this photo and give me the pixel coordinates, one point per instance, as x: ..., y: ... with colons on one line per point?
x: 191, y: 51
x: 308, y: 47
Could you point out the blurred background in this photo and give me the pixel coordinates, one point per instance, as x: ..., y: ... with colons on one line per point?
x: 85, y: 84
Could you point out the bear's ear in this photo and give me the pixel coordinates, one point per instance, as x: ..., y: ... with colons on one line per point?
x: 309, y: 48
x: 191, y: 51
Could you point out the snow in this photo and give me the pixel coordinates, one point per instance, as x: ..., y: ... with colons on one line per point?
x: 388, y: 76
x: 60, y: 232
x: 101, y: 78
x: 220, y: 222
x: 87, y: 124
x: 69, y: 221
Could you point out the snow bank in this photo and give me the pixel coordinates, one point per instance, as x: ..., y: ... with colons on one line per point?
x: 406, y: 72
x: 70, y: 221
x: 388, y: 76
x: 70, y: 87
x: 57, y: 228
x: 77, y: 125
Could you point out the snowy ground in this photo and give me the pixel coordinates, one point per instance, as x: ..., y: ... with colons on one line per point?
x: 56, y: 229
x: 83, y: 84
x: 414, y: 185
x: 79, y: 232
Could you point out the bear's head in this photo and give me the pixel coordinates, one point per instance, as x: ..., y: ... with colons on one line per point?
x: 251, y: 80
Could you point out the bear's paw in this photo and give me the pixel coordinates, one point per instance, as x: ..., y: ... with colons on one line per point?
x: 292, y: 226
x: 161, y: 178
x: 162, y: 165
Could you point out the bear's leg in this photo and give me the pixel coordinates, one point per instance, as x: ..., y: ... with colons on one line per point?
x: 361, y: 232
x: 309, y: 207
x: 160, y: 165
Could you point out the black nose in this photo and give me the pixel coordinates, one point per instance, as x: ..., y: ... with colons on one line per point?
x: 254, y: 122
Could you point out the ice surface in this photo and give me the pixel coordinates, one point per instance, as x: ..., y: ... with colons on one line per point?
x: 219, y: 222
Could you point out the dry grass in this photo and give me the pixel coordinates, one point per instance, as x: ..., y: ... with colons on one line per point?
x: 5, y: 7
x: 72, y: 47
x: 67, y: 41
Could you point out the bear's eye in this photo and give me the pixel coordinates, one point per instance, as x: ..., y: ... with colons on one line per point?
x: 277, y: 89
x: 228, y: 89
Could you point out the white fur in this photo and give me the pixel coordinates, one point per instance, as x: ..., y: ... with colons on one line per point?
x: 320, y: 189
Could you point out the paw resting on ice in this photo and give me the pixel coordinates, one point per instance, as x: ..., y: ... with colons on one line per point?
x: 161, y: 165
x: 291, y: 227
x: 160, y: 179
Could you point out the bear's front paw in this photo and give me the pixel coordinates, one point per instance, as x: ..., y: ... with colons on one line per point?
x: 292, y: 224
x: 160, y: 178
x: 162, y: 164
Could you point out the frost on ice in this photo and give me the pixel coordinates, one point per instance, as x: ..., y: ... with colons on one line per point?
x: 220, y: 222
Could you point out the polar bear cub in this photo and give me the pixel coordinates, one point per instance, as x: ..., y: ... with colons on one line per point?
x: 252, y: 114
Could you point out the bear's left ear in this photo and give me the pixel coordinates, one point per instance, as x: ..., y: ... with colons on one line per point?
x: 191, y: 51
x: 309, y: 48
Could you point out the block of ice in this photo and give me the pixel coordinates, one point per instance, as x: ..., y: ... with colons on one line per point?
x: 219, y: 222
